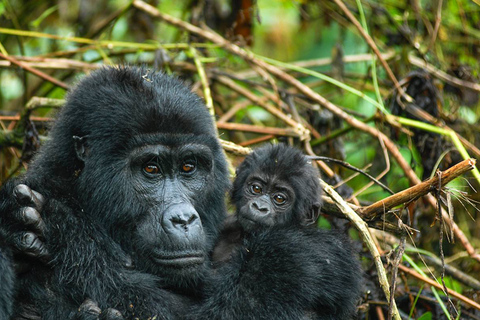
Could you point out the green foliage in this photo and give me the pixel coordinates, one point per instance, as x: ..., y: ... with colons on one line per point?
x: 294, y: 35
x: 12, y: 87
x: 426, y: 316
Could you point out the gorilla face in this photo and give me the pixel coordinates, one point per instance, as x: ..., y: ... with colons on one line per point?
x: 172, y: 184
x: 147, y: 165
x: 276, y: 186
x: 267, y: 201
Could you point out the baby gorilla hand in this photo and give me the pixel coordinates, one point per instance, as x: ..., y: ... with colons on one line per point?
x: 28, y: 242
x: 89, y: 310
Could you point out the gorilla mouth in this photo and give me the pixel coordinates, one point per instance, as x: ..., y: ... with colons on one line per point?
x: 180, y: 260
x: 248, y: 223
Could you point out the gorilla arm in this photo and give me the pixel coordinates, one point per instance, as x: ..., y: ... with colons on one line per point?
x: 84, y: 269
x: 285, y: 273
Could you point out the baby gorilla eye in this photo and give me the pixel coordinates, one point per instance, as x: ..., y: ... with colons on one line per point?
x: 279, y: 199
x: 189, y: 166
x: 151, y: 169
x: 256, y: 189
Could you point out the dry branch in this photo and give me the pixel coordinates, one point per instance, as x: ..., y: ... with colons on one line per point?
x: 47, y: 63
x: 408, y: 195
x: 451, y: 270
x: 257, y: 129
x: 35, y: 71
x: 443, y: 75
x: 431, y: 282
x: 235, y: 148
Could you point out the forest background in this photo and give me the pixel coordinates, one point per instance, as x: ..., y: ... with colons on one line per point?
x: 390, y: 87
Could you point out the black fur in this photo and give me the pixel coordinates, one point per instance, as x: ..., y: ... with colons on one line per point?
x: 101, y: 209
x: 285, y: 273
x: 7, y: 280
x: 266, y: 255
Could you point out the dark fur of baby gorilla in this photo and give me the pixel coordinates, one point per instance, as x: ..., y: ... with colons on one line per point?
x: 274, y: 186
x: 132, y: 173
x: 311, y: 273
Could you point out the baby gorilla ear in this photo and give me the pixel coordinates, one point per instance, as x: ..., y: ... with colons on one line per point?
x: 311, y: 216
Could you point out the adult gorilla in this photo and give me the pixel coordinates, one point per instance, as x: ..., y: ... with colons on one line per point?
x: 134, y: 181
x: 132, y: 169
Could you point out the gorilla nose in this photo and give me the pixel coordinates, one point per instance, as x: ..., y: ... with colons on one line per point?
x: 181, y: 218
x: 260, y: 207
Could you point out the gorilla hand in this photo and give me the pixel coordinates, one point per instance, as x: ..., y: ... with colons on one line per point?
x: 89, y: 310
x: 28, y: 242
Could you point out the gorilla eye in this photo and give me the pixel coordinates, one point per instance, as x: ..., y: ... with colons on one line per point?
x: 151, y: 169
x: 279, y: 199
x: 256, y: 189
x: 189, y: 166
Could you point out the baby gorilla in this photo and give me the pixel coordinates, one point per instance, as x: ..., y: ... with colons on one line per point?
x: 277, y: 197
x: 275, y: 186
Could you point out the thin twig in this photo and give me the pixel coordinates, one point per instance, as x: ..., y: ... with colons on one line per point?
x: 257, y: 129
x: 398, y: 258
x: 442, y: 75
x: 35, y: 71
x: 382, y: 174
x: 431, y: 282
x: 438, y: 20
x: 349, y: 166
x: 45, y: 63
x: 235, y: 148
x: 372, y: 45
x: 440, y: 243
x: 451, y: 270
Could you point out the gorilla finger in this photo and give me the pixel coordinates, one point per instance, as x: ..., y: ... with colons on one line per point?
x: 30, y: 244
x: 28, y: 197
x: 111, y: 314
x: 31, y: 217
x: 88, y: 310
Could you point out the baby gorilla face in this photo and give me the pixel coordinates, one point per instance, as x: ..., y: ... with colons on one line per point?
x: 267, y: 201
x: 276, y: 186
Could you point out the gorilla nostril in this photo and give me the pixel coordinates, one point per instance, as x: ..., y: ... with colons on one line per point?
x: 183, y: 221
x: 260, y: 208
x: 192, y: 219
x: 176, y: 221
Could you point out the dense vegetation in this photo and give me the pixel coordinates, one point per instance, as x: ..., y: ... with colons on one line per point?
x: 391, y: 87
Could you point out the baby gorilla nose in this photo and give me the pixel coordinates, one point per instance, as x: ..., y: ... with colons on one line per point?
x: 260, y: 207
x: 181, y: 219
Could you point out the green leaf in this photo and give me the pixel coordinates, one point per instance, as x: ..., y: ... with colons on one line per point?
x: 426, y: 316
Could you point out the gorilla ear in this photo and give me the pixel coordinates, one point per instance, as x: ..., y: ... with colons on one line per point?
x: 80, y: 144
x: 312, y: 216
